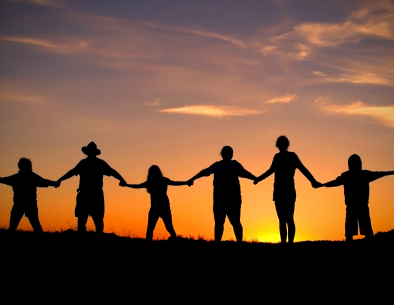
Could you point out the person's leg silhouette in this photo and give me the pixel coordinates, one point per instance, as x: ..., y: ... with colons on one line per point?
x: 98, y: 222
x: 153, y: 217
x: 234, y: 216
x: 219, y: 214
x: 167, y: 219
x: 364, y: 221
x: 351, y: 224
x: 291, y: 230
x: 15, y: 217
x: 285, y: 212
x: 82, y: 220
x: 35, y: 222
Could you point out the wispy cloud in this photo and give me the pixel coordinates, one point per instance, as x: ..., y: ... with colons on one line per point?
x: 46, y: 44
x: 318, y: 73
x: 212, y: 111
x: 48, y: 3
x: 362, y: 78
x: 155, y: 103
x: 333, y: 34
x: 384, y: 114
x: 22, y: 97
x: 282, y: 99
x: 199, y: 32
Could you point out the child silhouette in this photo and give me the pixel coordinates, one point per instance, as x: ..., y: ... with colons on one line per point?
x: 24, y: 184
x: 156, y: 185
x: 356, y: 186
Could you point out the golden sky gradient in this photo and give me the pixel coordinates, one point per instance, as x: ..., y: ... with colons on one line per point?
x: 170, y: 83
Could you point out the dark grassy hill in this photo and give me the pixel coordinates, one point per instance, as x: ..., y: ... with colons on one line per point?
x: 55, y: 266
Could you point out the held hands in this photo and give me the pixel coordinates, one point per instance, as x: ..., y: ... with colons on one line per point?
x: 257, y: 180
x: 122, y: 183
x: 57, y: 184
x: 190, y: 182
x: 317, y: 184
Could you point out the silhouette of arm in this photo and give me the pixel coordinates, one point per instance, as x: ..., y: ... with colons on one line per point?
x: 334, y: 183
x: 245, y: 174
x: 308, y: 175
x: 7, y: 180
x: 41, y: 182
x: 268, y: 173
x: 376, y: 175
x: 177, y: 183
x: 116, y: 175
x: 135, y: 186
x: 68, y: 175
x: 204, y: 173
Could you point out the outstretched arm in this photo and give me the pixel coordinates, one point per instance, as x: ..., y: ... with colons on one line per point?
x: 376, y: 175
x: 308, y: 175
x: 7, y: 180
x: 134, y: 186
x: 245, y: 174
x: 334, y: 183
x: 268, y: 173
x: 204, y: 173
x: 177, y: 183
x: 41, y: 182
x: 116, y: 175
x: 68, y: 175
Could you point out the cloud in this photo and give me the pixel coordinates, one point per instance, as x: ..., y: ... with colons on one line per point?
x: 212, y: 111
x: 334, y: 34
x: 199, y: 32
x: 155, y: 103
x: 22, y: 98
x: 282, y: 99
x: 46, y: 44
x: 318, y: 73
x: 374, y: 19
x: 384, y: 114
x: 362, y: 78
x: 48, y: 3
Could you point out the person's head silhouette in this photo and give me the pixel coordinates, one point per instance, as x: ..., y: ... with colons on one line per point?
x: 227, y: 153
x: 91, y: 150
x: 282, y: 143
x: 355, y: 163
x: 154, y: 172
x: 25, y: 165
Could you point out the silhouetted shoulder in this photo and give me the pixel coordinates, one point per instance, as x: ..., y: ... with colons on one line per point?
x: 345, y: 174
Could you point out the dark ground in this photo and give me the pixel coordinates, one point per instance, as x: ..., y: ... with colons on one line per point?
x: 66, y: 266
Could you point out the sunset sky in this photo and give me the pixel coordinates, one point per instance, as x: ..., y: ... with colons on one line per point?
x: 171, y: 82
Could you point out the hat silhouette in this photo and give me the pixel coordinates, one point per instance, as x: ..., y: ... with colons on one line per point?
x: 91, y: 149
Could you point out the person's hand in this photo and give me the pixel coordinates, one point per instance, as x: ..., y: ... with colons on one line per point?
x: 122, y: 183
x: 190, y: 182
x: 316, y: 185
x: 257, y: 180
x: 57, y: 184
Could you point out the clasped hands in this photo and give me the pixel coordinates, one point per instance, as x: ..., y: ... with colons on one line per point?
x: 315, y: 184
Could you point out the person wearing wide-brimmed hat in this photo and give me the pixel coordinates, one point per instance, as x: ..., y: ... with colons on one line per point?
x: 90, y: 198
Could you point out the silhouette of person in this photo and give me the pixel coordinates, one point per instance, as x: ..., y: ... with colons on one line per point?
x: 356, y: 186
x: 227, y: 198
x: 90, y: 197
x: 284, y: 166
x: 156, y: 185
x: 24, y: 184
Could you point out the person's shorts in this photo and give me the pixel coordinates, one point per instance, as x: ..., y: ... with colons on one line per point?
x: 285, y: 209
x: 358, y: 216
x: 164, y: 212
x: 29, y: 209
x: 90, y: 202
x: 227, y: 202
